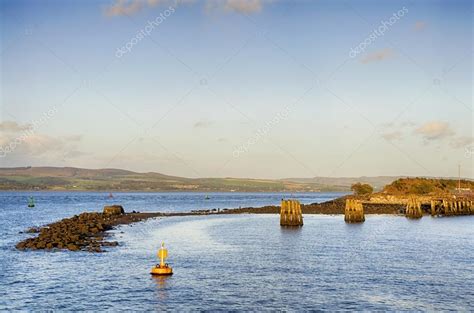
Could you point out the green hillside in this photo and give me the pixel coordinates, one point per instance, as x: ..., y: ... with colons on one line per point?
x: 69, y: 178
x: 426, y: 186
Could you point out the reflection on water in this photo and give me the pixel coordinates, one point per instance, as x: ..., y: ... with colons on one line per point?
x: 291, y: 234
x: 249, y: 262
x: 161, y: 283
x: 291, y: 230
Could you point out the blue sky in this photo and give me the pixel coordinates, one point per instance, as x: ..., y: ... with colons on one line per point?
x: 241, y: 88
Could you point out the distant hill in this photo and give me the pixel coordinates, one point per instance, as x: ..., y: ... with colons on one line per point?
x: 70, y: 178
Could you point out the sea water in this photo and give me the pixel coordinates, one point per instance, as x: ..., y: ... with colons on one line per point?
x: 241, y: 262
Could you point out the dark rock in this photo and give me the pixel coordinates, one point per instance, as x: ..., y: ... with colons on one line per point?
x: 83, y: 232
x: 94, y: 249
x: 21, y: 245
x: 114, y: 210
x: 41, y: 245
x: 72, y: 247
x: 110, y: 243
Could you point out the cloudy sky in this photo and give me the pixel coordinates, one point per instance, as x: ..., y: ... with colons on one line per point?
x: 241, y: 88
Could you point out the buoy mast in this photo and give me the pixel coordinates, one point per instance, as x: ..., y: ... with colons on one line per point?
x: 162, y: 254
x: 162, y: 268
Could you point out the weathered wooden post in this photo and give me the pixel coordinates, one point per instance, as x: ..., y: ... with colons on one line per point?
x: 456, y: 207
x: 354, y: 212
x: 449, y: 208
x: 414, y: 208
x: 433, y: 207
x: 444, y: 207
x: 290, y: 213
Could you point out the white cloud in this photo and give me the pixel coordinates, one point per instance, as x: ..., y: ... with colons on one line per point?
x: 29, y: 145
x: 462, y: 141
x: 130, y: 7
x: 419, y: 25
x: 378, y: 56
x: 391, y: 136
x: 124, y: 7
x: 22, y: 141
x: 244, y: 6
x: 241, y: 6
x: 73, y: 154
x: 155, y: 2
x: 434, y: 130
x: 12, y: 126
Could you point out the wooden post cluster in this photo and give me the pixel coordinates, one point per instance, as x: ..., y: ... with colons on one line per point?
x: 458, y: 207
x: 436, y: 206
x: 290, y: 213
x: 414, y: 208
x: 354, y: 211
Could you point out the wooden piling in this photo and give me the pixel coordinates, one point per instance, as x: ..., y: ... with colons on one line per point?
x: 433, y: 208
x: 413, y: 208
x: 290, y: 213
x: 354, y: 212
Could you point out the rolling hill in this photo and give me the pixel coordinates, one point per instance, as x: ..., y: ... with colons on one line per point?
x: 70, y: 178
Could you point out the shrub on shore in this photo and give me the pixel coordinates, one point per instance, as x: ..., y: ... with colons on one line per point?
x: 360, y: 189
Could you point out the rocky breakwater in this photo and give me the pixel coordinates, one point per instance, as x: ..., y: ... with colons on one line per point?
x: 380, y: 205
x: 83, y: 232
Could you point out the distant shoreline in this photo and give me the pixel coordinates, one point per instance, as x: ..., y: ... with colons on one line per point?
x: 118, y: 180
x: 171, y: 191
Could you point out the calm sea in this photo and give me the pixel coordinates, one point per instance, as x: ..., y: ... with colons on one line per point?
x: 240, y: 262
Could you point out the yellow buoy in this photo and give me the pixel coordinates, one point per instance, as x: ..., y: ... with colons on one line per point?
x: 162, y: 268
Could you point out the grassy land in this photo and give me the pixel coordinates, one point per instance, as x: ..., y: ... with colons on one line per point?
x: 69, y: 178
x: 425, y: 186
x: 51, y: 178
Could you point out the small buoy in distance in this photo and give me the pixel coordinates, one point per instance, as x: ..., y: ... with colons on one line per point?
x: 162, y: 269
x: 31, y: 202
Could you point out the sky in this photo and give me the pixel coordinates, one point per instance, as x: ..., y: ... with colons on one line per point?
x: 239, y: 88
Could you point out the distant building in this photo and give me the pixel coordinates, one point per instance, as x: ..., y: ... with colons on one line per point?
x: 464, y: 192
